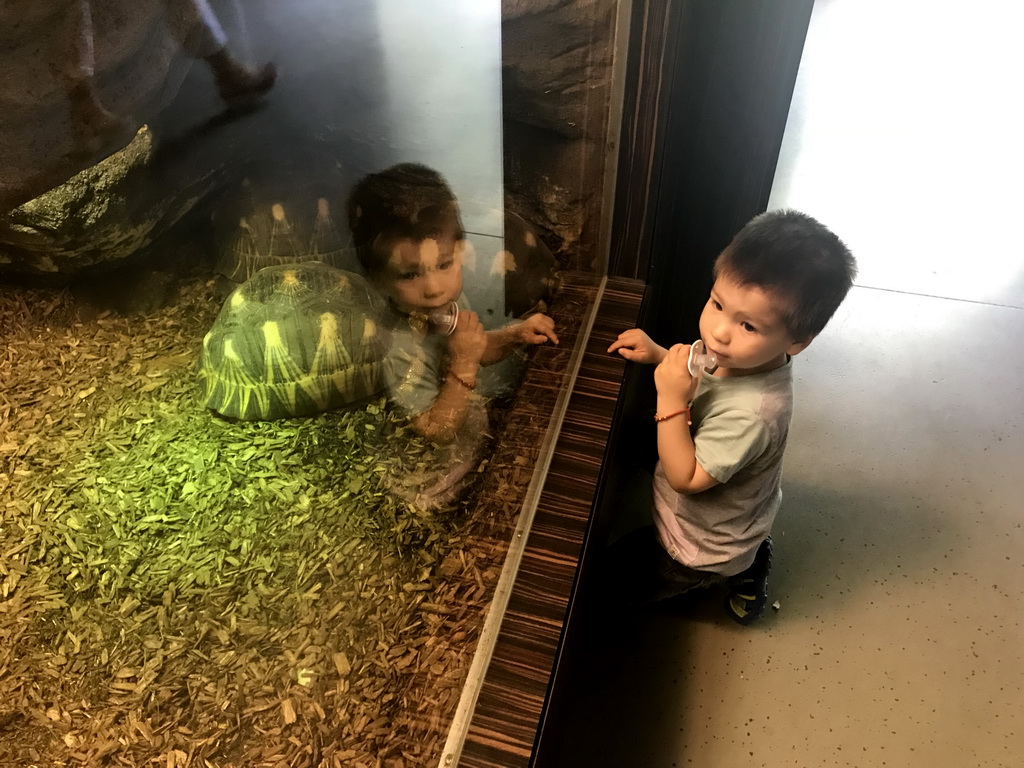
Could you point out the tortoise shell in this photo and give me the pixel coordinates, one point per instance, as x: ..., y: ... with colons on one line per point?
x: 260, y: 230
x: 293, y: 340
x: 530, y: 269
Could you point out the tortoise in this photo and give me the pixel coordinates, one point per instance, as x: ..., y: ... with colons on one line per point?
x: 293, y: 340
x: 512, y: 263
x: 262, y: 229
x: 530, y: 269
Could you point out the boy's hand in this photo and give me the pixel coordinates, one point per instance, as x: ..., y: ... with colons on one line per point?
x: 535, y: 329
x: 638, y: 347
x: 468, y: 341
x: 676, y: 387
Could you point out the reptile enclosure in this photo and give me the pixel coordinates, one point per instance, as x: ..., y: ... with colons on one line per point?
x: 184, y: 590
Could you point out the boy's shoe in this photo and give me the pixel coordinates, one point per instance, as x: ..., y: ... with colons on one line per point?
x: 748, y: 591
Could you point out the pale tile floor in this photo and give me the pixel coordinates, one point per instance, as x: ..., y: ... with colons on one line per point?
x: 899, y: 572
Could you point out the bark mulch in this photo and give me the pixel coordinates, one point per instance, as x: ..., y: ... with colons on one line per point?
x: 179, y: 590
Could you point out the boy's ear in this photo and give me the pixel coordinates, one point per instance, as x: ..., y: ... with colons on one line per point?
x: 798, y: 346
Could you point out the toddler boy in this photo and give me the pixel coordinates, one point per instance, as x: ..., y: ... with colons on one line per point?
x: 722, y: 434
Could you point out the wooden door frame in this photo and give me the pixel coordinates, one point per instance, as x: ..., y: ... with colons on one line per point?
x: 709, y: 84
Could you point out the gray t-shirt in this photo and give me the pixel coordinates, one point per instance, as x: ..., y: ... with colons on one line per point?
x: 740, y: 427
x: 418, y: 358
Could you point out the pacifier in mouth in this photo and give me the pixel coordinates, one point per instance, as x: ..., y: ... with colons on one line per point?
x: 444, y: 319
x: 700, y: 358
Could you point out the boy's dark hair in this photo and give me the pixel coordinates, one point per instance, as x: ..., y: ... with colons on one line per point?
x: 408, y: 200
x: 795, y: 258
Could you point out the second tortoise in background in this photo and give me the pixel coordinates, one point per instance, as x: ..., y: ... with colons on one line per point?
x: 262, y: 224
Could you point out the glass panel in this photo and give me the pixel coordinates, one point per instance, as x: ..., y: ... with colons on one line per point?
x: 271, y: 277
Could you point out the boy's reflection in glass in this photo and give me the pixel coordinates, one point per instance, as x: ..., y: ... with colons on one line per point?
x: 410, y: 241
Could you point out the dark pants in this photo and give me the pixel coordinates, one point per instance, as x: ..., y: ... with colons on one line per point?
x: 639, y: 570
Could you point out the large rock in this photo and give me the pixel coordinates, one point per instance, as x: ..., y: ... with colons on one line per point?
x: 555, y: 55
x: 101, y: 216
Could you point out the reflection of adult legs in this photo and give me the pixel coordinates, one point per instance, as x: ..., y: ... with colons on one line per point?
x: 203, y: 37
x: 94, y: 124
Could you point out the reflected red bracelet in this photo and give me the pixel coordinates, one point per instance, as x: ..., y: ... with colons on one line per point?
x: 452, y: 375
x: 667, y: 416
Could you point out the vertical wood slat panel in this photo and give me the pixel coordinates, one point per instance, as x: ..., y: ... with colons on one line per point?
x: 504, y: 725
x: 652, y: 51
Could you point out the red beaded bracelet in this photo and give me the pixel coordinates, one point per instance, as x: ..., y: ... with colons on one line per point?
x: 460, y: 380
x: 667, y: 416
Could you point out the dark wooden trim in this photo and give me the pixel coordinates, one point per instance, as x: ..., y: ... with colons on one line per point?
x: 505, y: 722
x: 648, y: 73
x: 734, y: 71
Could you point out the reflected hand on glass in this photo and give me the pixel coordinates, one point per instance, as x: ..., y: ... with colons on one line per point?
x: 536, y: 329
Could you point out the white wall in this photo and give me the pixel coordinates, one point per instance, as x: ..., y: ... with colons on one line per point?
x: 443, y: 88
x: 906, y: 137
